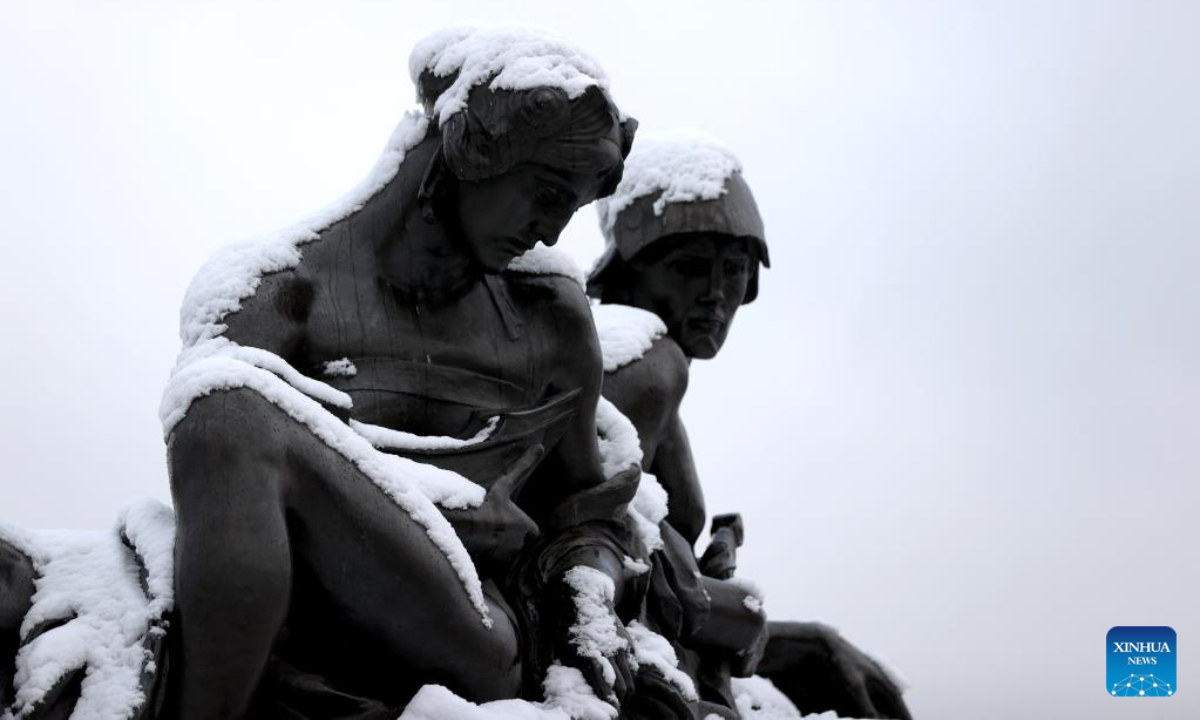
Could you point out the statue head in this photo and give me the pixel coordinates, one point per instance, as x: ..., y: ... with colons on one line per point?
x: 528, y: 135
x: 684, y: 239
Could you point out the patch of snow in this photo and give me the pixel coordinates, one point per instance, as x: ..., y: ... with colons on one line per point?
x: 90, y: 581
x: 568, y: 697
x: 383, y: 438
x: 566, y: 689
x: 653, y: 649
x: 758, y: 699
x: 683, y: 165
x: 754, y: 594
x: 619, y: 444
x: 626, y: 333
x: 234, y: 273
x: 595, y: 632
x: 434, y: 702
x: 543, y: 260
x: 648, y: 510
x: 619, y: 449
x: 414, y: 486
x: 637, y: 567
x: 512, y: 58
x: 340, y: 368
x: 150, y: 528
x: 171, y: 413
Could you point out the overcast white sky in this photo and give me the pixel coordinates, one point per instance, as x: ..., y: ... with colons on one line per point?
x: 963, y: 419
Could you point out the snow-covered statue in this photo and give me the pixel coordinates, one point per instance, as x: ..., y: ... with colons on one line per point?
x: 395, y: 489
x: 685, y: 243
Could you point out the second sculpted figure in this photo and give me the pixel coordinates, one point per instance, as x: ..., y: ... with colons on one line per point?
x: 685, y: 243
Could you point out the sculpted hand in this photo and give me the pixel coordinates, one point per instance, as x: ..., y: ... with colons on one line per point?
x: 496, y: 531
x: 819, y: 670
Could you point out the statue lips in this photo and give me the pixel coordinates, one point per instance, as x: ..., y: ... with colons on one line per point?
x: 518, y: 246
x: 708, y: 323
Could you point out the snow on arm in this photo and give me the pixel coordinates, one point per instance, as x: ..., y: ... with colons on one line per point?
x: 594, y: 634
x: 620, y: 448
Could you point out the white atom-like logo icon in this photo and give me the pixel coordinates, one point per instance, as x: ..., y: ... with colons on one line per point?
x: 1141, y: 686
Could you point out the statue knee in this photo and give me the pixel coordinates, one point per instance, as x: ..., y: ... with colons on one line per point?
x: 220, y: 432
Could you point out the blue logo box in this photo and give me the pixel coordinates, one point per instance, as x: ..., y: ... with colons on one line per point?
x: 1141, y: 661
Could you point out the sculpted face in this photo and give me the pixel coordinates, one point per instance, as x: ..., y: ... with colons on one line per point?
x: 502, y: 217
x: 696, y: 286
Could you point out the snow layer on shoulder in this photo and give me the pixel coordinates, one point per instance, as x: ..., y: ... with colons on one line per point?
x: 513, y: 58
x: 684, y: 165
x: 626, y: 333
x: 234, y: 273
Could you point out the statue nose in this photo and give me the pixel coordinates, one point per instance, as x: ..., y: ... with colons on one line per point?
x: 716, y: 285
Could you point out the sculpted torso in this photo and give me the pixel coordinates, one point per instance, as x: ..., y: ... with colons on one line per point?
x: 422, y: 367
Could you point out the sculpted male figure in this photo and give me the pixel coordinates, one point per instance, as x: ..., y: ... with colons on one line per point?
x: 293, y: 550
x: 685, y: 241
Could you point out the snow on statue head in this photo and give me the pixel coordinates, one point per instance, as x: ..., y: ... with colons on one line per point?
x: 508, y: 97
x: 681, y: 221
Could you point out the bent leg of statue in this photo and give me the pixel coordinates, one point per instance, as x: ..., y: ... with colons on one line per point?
x: 275, y: 528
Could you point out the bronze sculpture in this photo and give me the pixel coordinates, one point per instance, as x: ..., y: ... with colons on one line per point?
x: 685, y: 242
x: 382, y: 437
x: 281, y: 533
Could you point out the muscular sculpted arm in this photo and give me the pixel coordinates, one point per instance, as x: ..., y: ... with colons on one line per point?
x: 571, y: 471
x: 649, y: 392
x: 274, y: 317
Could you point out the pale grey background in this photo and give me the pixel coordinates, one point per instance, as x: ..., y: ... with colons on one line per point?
x: 961, y: 421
